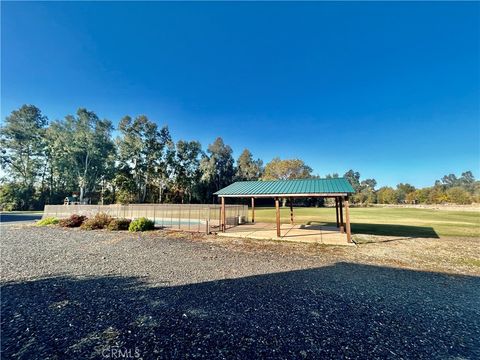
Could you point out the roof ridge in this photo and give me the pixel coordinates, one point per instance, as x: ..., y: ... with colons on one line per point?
x: 303, y: 179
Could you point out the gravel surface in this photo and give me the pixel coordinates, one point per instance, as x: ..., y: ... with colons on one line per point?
x: 69, y: 294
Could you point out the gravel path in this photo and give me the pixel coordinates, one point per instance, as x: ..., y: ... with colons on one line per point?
x: 76, y: 294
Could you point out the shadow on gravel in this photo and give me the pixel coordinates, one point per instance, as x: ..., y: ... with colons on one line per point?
x: 340, y: 311
x: 405, y: 231
x: 16, y: 217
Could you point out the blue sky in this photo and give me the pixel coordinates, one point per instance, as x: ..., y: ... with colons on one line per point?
x: 388, y: 89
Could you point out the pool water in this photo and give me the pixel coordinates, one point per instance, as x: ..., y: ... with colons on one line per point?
x: 168, y: 222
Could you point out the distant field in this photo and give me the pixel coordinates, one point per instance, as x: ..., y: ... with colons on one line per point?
x: 388, y: 221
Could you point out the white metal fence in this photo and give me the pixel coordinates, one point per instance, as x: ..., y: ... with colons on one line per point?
x: 190, y: 217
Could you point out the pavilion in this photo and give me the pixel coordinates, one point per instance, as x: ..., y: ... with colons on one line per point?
x: 337, y: 188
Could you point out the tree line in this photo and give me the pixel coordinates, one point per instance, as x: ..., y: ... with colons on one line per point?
x: 138, y: 162
x: 451, y: 189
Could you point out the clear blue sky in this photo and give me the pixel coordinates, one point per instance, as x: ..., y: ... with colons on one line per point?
x: 388, y: 89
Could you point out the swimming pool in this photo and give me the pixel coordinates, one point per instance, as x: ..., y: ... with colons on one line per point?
x: 179, y: 223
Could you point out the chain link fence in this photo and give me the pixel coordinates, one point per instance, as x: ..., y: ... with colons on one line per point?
x: 189, y: 217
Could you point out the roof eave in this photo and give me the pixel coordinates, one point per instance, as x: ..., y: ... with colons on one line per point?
x: 283, y: 195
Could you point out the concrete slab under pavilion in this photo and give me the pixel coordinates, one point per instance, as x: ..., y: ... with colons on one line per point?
x: 316, y: 234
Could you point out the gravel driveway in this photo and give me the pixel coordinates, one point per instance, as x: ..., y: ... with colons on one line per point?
x: 75, y: 294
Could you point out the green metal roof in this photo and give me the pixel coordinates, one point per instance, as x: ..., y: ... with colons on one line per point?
x: 300, y: 187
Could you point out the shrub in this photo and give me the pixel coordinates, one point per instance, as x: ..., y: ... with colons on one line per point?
x: 99, y: 221
x: 73, y: 221
x: 48, y: 221
x: 119, y: 224
x: 141, y: 224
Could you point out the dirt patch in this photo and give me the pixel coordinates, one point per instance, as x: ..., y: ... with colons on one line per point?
x: 453, y: 255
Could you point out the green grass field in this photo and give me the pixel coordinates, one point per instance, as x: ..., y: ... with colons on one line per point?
x: 387, y: 221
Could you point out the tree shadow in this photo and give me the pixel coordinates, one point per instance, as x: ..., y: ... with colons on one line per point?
x: 405, y: 231
x: 340, y: 311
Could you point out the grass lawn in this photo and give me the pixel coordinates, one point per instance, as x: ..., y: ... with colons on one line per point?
x: 387, y: 221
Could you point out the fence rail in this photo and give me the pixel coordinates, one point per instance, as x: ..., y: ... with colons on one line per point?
x: 190, y: 217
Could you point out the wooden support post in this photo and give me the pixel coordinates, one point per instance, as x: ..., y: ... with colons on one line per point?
x: 277, y: 208
x: 253, y: 210
x: 347, y: 217
x: 223, y: 227
x: 220, y: 215
x: 342, y: 224
x: 336, y: 212
x: 291, y: 211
